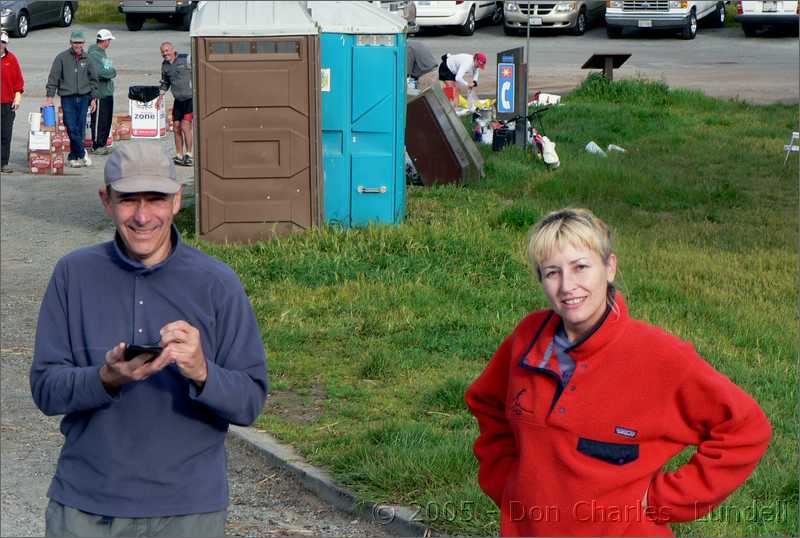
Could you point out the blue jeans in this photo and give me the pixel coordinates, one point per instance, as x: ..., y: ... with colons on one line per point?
x: 75, y: 109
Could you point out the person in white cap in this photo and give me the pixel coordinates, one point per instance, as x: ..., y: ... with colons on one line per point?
x: 104, y: 112
x: 13, y: 84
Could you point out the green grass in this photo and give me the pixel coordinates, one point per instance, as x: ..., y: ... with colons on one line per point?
x: 98, y: 11
x: 373, y: 334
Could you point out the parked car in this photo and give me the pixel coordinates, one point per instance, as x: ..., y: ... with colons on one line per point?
x: 572, y: 16
x: 754, y: 14
x: 171, y: 11
x: 680, y: 15
x: 19, y: 16
x: 405, y: 8
x: 460, y: 14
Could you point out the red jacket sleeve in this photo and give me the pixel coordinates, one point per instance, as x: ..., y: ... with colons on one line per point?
x: 495, y: 447
x: 731, y: 433
x: 19, y: 80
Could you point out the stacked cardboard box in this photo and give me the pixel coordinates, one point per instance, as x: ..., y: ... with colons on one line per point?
x: 121, y: 127
x: 46, y: 151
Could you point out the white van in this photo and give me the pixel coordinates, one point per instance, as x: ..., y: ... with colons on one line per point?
x: 680, y: 15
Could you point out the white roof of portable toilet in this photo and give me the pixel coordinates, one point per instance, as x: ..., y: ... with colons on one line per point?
x: 249, y: 18
x: 355, y: 18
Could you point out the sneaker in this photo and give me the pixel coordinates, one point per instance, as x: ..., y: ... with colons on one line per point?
x: 178, y: 160
x: 87, y: 161
x: 187, y: 160
x: 91, y: 150
x: 75, y: 163
x: 6, y: 169
x: 105, y: 150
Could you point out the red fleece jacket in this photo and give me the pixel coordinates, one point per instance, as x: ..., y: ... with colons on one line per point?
x: 11, y: 79
x: 578, y: 459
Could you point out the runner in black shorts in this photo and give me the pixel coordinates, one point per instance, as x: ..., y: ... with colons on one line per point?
x: 182, y: 110
x: 176, y: 75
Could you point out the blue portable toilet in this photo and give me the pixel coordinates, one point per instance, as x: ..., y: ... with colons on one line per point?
x: 363, y: 88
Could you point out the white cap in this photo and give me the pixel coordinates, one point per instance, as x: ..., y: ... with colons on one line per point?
x: 4, y: 37
x: 104, y: 34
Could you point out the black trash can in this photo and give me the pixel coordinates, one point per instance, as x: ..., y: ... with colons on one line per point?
x: 501, y: 138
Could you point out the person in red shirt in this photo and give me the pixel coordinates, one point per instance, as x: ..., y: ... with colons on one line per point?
x: 582, y: 406
x: 12, y: 84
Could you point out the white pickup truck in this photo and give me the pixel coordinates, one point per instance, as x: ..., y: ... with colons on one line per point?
x: 680, y: 15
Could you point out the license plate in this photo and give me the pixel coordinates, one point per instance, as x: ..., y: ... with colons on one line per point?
x: 535, y: 21
x: 770, y: 7
x: 645, y: 24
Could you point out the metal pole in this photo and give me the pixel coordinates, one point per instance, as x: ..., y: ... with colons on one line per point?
x: 527, y: 70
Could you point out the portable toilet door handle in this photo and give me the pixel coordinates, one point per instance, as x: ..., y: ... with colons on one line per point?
x: 371, y: 190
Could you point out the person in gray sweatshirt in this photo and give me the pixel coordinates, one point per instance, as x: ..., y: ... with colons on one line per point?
x: 176, y: 75
x: 74, y: 78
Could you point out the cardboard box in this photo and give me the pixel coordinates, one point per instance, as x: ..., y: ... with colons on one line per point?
x: 123, y: 129
x: 39, y: 161
x: 39, y: 141
x: 147, y: 120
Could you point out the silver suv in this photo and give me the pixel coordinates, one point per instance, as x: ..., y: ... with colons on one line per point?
x: 172, y: 11
x: 574, y: 17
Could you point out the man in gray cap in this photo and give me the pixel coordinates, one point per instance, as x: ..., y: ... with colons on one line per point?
x: 150, y: 348
x: 74, y: 78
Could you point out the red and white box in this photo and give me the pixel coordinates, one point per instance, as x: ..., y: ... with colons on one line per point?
x: 147, y: 120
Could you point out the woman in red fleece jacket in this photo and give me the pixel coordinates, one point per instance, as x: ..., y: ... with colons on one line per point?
x: 582, y: 406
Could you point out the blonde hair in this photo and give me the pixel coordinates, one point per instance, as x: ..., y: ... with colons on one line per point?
x: 569, y: 226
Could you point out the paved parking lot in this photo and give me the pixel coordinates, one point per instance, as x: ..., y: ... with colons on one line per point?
x: 721, y: 62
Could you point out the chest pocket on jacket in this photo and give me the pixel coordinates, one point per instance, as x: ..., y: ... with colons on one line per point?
x: 616, y: 453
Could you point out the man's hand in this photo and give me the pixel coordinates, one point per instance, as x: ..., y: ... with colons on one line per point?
x: 92, y: 105
x: 117, y: 371
x: 181, y: 343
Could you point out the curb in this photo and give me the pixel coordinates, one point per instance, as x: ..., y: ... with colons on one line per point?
x: 397, y: 519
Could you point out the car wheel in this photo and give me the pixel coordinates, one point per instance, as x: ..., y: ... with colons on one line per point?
x: 66, y: 15
x: 614, y: 32
x: 690, y: 29
x: 749, y: 29
x: 468, y: 28
x: 580, y: 23
x: 134, y: 22
x: 23, y: 24
x: 718, y: 19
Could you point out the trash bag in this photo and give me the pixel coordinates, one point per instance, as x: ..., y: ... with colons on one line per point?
x: 549, y: 155
x: 143, y: 94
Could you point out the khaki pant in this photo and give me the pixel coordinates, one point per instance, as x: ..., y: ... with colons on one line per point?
x: 62, y: 520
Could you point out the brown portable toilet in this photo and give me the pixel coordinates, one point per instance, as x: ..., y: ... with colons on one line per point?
x: 258, y: 168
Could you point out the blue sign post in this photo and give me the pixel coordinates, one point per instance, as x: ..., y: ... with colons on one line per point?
x: 505, y: 88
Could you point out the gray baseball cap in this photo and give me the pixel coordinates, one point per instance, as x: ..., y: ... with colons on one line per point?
x: 141, y: 167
